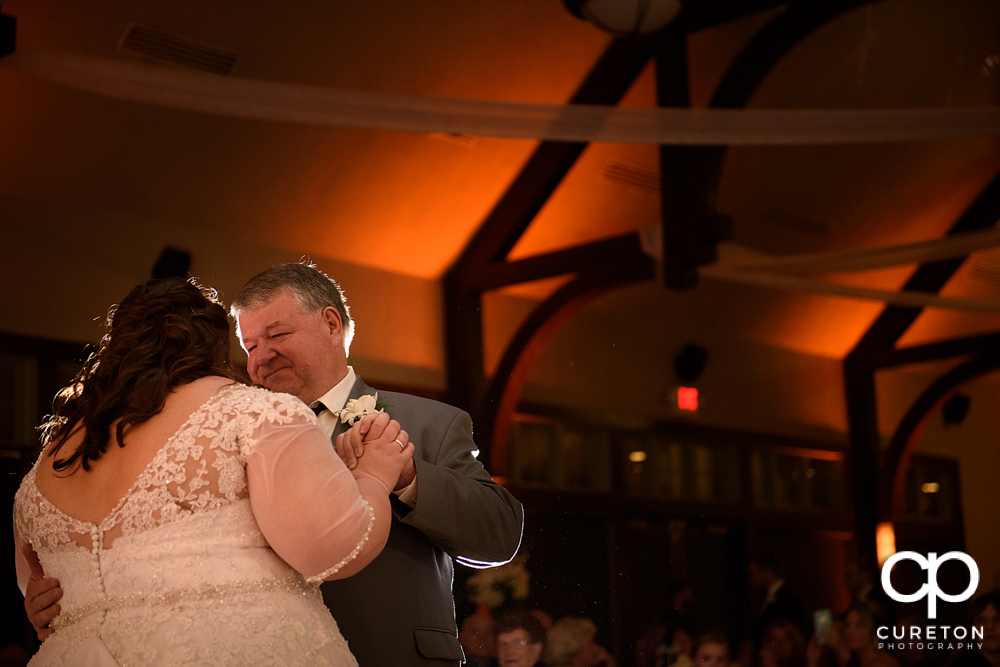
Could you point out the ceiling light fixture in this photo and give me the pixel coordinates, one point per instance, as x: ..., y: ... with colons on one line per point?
x: 625, y: 17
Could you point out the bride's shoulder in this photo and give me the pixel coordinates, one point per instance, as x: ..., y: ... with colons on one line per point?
x: 270, y: 405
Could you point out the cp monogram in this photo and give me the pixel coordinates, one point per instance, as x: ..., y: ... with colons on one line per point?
x: 930, y: 589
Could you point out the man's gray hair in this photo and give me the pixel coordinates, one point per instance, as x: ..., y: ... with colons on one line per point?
x: 312, y: 289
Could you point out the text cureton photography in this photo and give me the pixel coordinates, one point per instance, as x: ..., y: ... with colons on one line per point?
x: 942, y: 637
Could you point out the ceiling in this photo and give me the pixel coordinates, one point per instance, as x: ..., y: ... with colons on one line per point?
x: 409, y: 203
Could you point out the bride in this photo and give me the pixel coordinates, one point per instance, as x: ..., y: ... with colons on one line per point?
x: 189, y: 517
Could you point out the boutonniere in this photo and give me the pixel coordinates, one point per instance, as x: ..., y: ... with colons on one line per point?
x: 357, y: 408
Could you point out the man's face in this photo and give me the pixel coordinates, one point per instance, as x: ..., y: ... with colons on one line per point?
x: 291, y: 351
x: 989, y: 621
x: 514, y: 649
x: 756, y: 576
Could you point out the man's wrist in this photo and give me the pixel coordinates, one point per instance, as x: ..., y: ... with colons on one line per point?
x: 408, y: 494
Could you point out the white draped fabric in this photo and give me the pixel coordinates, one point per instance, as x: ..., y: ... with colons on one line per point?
x: 180, y: 89
x: 743, y: 265
x: 315, y: 105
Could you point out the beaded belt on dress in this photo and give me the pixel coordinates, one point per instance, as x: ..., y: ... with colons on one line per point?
x: 173, y: 596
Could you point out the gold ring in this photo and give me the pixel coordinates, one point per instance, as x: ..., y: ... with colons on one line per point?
x: 401, y: 445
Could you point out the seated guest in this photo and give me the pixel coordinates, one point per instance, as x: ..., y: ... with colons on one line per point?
x: 570, y: 643
x: 666, y: 644
x: 520, y: 639
x: 864, y: 585
x: 985, y: 612
x: 476, y: 637
x: 711, y: 650
x: 783, y: 645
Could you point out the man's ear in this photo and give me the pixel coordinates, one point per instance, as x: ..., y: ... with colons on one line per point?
x: 332, y: 318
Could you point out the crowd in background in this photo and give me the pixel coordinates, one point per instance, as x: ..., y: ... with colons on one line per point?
x: 781, y: 633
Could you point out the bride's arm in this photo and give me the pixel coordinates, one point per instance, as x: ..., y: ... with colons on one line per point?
x: 21, y: 566
x: 310, y: 508
x: 40, y: 593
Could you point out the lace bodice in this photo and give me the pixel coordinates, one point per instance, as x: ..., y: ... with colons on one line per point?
x: 191, y: 547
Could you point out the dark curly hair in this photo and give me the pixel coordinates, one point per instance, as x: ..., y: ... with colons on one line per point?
x: 165, y: 333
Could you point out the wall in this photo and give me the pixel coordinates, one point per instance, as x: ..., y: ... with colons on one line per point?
x: 64, y: 268
x: 974, y: 443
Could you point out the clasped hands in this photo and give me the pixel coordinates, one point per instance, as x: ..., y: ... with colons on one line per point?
x: 376, y: 446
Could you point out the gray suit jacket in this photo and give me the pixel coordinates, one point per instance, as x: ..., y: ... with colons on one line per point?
x: 399, y: 610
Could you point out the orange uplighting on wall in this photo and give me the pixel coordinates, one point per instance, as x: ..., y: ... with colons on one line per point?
x: 687, y: 398
x: 885, y: 541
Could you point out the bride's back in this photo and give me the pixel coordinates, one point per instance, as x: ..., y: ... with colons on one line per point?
x: 165, y: 354
x: 91, y: 495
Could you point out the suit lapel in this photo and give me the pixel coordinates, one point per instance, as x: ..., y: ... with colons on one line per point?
x: 359, y: 389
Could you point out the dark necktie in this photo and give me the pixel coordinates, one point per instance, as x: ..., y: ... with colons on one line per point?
x: 318, y: 408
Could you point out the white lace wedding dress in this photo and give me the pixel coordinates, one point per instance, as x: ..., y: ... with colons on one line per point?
x: 180, y: 572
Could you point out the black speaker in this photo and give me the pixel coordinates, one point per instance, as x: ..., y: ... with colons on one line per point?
x: 955, y: 409
x: 8, y: 30
x: 690, y: 362
x: 172, y: 263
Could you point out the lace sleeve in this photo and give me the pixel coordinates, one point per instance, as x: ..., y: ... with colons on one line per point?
x: 305, y: 500
x: 21, y: 567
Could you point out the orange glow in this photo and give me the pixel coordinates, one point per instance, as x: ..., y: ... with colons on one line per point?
x: 885, y: 541
x: 687, y: 398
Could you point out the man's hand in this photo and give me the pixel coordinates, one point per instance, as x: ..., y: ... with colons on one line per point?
x: 407, y: 476
x: 40, y: 595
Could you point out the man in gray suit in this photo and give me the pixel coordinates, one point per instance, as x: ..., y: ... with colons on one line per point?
x: 398, y: 611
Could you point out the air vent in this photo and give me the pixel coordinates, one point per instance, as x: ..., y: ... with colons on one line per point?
x: 169, y: 48
x: 632, y: 177
x: 466, y: 140
x: 799, y: 222
x: 988, y: 274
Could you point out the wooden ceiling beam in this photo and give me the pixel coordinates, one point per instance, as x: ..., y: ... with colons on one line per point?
x: 945, y: 349
x: 557, y: 263
x: 606, y: 83
x: 612, y: 272
x: 876, y: 345
x: 982, y: 213
x: 892, y: 475
x: 690, y: 175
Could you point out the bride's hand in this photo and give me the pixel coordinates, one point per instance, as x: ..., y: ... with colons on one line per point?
x: 350, y: 444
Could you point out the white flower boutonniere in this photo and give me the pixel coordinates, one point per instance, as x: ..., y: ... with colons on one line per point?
x: 357, y: 408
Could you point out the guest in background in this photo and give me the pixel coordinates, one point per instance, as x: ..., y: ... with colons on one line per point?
x: 570, y: 643
x: 764, y: 575
x: 856, y: 644
x: 665, y: 644
x: 669, y: 640
x: 711, y: 650
x: 783, y: 645
x: 985, y: 612
x: 477, y: 640
x: 520, y: 639
x: 680, y: 597
x: 917, y: 654
x: 861, y: 577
